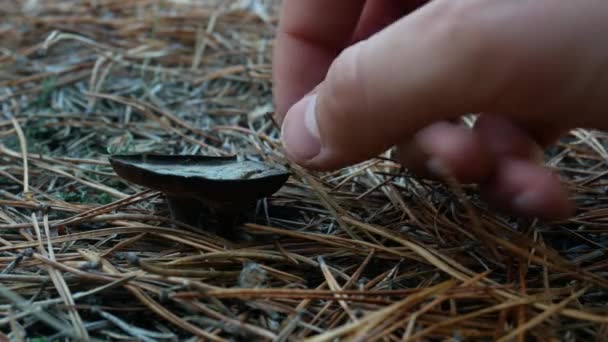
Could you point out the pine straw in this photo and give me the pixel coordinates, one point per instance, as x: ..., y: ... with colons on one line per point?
x: 367, y: 251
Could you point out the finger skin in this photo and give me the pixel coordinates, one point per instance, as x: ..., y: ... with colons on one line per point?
x: 527, y: 189
x: 469, y: 154
x: 310, y: 35
x: 466, y: 152
x: 519, y: 184
x: 505, y: 139
x: 451, y: 58
x: 447, y: 147
x: 378, y: 14
x: 498, y: 154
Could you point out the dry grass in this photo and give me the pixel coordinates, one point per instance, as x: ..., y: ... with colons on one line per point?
x: 368, y: 251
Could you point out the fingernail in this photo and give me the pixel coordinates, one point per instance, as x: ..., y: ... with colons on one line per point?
x: 534, y: 203
x: 300, y: 131
x: 526, y: 202
x: 437, y: 167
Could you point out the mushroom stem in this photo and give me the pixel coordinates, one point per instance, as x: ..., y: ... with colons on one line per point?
x: 185, y: 210
x: 218, y: 218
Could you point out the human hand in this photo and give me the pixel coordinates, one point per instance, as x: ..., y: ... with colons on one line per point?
x: 354, y: 78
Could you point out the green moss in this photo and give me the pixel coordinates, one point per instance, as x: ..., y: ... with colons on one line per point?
x: 84, y: 197
x: 104, y: 199
x: 44, y: 99
x: 73, y: 196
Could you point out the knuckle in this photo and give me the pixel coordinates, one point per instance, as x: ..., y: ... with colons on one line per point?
x: 481, y: 47
x: 343, y: 103
x: 466, y: 24
x: 344, y: 84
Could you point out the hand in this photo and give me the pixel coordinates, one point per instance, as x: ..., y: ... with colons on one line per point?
x: 354, y: 78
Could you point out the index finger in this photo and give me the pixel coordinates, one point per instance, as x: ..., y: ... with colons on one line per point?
x: 311, y: 34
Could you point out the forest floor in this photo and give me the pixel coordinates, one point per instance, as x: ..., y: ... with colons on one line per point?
x: 366, y: 251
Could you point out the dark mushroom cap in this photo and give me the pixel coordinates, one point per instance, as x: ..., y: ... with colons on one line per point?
x: 222, y: 179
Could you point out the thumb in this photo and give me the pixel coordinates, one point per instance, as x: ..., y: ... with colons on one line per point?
x: 447, y: 59
x: 381, y: 91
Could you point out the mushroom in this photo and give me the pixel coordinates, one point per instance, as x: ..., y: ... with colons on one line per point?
x: 203, y: 191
